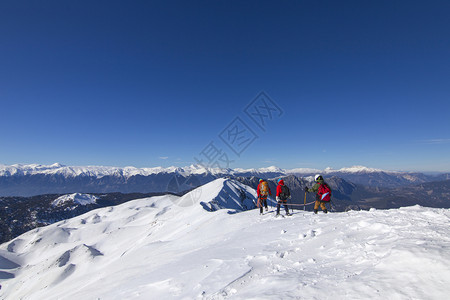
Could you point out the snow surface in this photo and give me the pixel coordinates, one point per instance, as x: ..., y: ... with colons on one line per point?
x: 155, y: 248
x: 76, y: 198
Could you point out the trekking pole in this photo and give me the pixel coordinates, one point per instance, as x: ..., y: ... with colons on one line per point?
x: 290, y: 202
x: 304, y: 205
x: 332, y: 206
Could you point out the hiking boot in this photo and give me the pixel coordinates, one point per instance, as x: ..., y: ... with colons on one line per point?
x: 288, y: 214
x: 325, y: 211
x: 267, y: 209
x: 315, y: 211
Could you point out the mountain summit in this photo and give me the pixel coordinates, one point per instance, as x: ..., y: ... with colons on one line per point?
x: 221, y: 194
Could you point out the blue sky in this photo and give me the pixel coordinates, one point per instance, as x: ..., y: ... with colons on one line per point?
x: 161, y: 83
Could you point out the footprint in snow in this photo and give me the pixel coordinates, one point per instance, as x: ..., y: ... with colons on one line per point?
x: 311, y: 233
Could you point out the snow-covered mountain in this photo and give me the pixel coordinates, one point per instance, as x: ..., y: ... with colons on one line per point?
x: 30, y: 180
x: 221, y: 194
x: 76, y: 198
x: 126, y: 172
x: 171, y: 247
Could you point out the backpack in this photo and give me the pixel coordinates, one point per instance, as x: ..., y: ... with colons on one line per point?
x: 285, y: 193
x: 264, y: 189
x: 324, y: 192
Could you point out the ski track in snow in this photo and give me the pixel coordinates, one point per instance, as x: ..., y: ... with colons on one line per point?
x: 153, y: 249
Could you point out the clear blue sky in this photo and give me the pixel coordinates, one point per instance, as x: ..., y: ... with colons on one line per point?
x: 153, y: 83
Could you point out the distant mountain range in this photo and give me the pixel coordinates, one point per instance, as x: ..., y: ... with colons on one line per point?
x: 34, y: 179
x: 348, y: 195
x: 59, y: 196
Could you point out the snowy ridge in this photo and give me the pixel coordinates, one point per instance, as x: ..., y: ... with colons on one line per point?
x: 221, y: 194
x: 101, y: 171
x: 271, y: 169
x: 354, y: 169
x: 303, y: 171
x: 155, y: 249
x: 94, y: 171
x: 32, y: 180
x: 76, y: 198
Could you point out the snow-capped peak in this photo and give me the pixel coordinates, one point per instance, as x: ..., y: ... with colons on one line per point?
x: 56, y: 165
x: 76, y: 198
x: 328, y: 170
x: 359, y: 169
x: 273, y: 169
x: 221, y: 194
x: 303, y: 171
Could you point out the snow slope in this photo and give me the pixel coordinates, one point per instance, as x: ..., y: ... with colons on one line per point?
x: 155, y: 248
